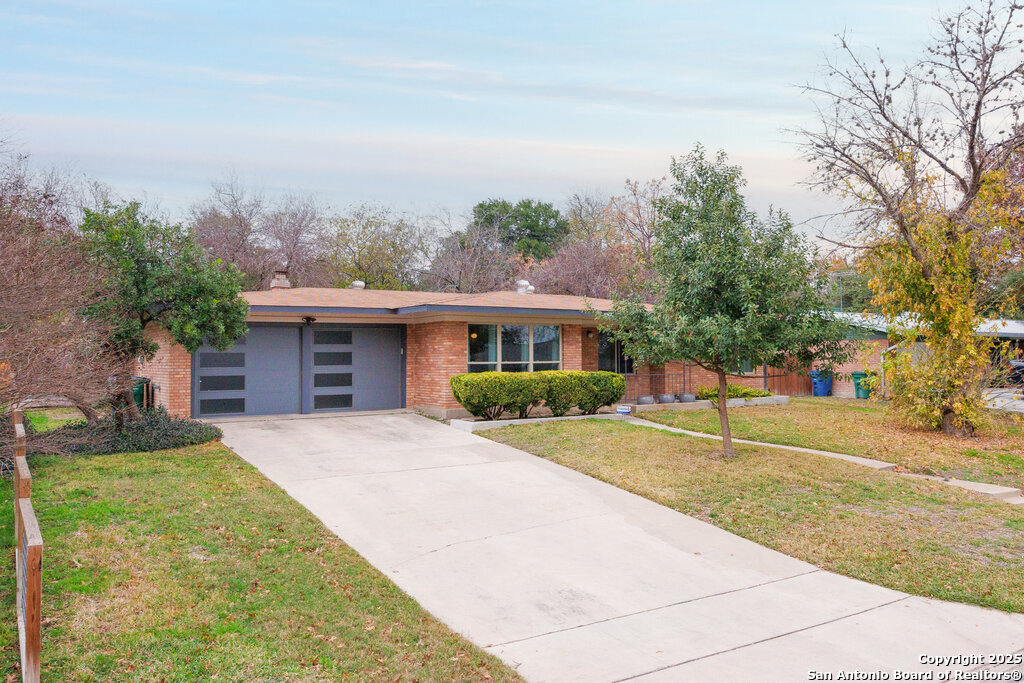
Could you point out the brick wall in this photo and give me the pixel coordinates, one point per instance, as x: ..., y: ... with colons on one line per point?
x: 589, y: 348
x: 572, y: 347
x: 433, y: 353
x: 170, y: 371
x: 870, y: 354
x: 436, y: 351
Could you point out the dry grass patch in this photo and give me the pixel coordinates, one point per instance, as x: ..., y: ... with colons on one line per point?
x: 189, y: 565
x: 921, y: 537
x: 864, y: 428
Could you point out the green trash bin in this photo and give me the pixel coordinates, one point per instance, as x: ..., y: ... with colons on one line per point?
x: 858, y: 384
x: 139, y: 391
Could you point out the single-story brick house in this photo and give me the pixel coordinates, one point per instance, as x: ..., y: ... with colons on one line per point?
x: 313, y: 350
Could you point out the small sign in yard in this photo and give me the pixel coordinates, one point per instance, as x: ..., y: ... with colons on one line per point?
x: 624, y: 410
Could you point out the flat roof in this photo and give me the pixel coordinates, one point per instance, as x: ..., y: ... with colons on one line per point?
x: 994, y: 327
x: 385, y: 301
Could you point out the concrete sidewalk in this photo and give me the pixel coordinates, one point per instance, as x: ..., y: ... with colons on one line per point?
x: 570, y: 579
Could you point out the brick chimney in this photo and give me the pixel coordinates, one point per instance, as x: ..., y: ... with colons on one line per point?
x: 280, y: 280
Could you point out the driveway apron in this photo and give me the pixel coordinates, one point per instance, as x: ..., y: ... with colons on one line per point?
x: 567, y: 578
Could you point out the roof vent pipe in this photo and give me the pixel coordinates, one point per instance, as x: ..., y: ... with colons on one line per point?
x: 523, y: 287
x: 357, y: 284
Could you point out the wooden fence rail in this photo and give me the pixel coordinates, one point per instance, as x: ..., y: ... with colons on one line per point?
x: 28, y: 558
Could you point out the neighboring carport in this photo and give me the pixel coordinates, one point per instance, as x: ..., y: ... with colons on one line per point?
x: 572, y: 579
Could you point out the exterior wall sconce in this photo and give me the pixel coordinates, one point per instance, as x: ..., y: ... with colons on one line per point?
x: 590, y: 334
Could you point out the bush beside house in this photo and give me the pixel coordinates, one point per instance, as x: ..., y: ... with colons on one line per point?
x: 490, y: 394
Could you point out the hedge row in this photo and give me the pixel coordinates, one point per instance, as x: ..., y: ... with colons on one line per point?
x: 489, y: 394
x: 731, y: 391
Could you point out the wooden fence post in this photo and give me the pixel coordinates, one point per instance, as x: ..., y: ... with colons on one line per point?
x: 28, y: 559
x: 22, y: 475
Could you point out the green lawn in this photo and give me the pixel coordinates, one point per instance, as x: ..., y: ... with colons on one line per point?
x: 864, y: 428
x: 189, y: 565
x: 917, y: 536
x: 45, y: 419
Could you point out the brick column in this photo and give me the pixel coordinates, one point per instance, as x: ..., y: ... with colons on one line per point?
x: 589, y: 348
x: 434, y: 352
x: 572, y: 347
x: 170, y: 371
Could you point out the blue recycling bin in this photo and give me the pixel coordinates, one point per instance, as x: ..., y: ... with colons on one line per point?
x: 821, y: 383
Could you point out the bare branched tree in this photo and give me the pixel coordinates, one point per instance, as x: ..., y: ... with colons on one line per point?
x: 228, y: 225
x: 588, y: 216
x: 954, y: 115
x: 921, y: 153
x: 473, y: 260
x: 241, y: 226
x: 635, y: 214
x: 295, y: 232
x: 48, y: 349
x: 588, y: 268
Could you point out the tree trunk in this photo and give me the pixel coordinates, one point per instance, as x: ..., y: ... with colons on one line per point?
x: 951, y: 427
x: 85, y: 407
x: 131, y: 408
x: 723, y: 414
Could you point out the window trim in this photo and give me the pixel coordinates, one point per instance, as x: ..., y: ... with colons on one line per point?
x: 497, y: 362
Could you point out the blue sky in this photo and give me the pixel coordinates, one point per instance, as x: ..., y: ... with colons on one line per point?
x: 423, y: 105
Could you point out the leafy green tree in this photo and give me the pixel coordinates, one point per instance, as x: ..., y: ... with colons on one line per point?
x: 533, y: 228
x: 733, y: 288
x: 158, y: 273
x: 850, y: 291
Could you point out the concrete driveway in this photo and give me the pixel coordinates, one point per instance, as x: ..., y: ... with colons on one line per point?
x: 570, y: 579
x: 1006, y: 399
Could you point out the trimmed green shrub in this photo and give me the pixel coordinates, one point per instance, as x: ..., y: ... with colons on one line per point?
x: 489, y: 394
x: 599, y: 389
x: 561, y: 390
x: 522, y: 392
x: 156, y: 431
x: 731, y: 391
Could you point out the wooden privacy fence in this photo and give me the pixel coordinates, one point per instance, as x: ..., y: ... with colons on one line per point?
x: 28, y: 558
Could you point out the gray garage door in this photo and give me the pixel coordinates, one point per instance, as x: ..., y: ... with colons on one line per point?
x: 279, y: 370
x: 353, y: 368
x: 260, y: 375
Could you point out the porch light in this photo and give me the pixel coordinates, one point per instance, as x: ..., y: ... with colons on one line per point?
x: 472, y: 335
x: 590, y: 334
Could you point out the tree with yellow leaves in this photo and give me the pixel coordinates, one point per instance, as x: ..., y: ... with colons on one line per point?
x: 920, y: 155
